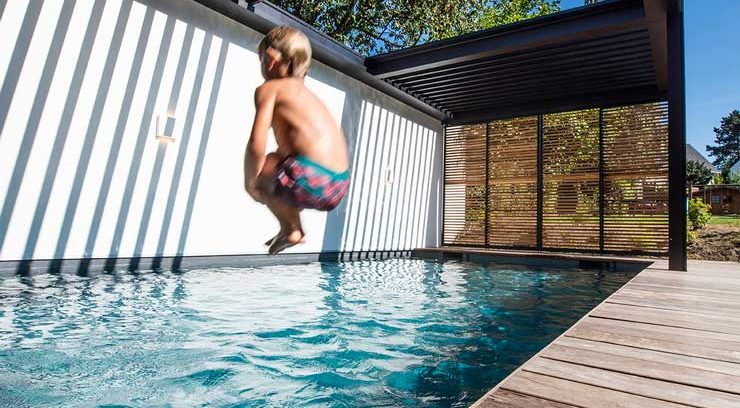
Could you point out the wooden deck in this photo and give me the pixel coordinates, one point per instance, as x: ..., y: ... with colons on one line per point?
x: 665, y: 339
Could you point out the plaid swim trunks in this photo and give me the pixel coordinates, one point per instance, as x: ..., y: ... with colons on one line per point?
x: 306, y: 184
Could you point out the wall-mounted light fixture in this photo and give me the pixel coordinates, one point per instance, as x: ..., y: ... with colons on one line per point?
x: 165, y: 128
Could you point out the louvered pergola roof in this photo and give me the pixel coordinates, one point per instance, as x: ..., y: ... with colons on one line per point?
x: 609, y: 53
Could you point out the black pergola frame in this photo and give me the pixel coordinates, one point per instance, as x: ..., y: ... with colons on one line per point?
x: 660, y: 21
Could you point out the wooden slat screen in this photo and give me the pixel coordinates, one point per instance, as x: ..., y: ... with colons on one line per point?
x: 590, y: 180
x: 636, y: 178
x: 512, y: 182
x: 464, y: 200
x: 570, y: 203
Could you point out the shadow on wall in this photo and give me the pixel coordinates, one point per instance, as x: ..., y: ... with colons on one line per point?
x: 392, y: 201
x: 128, y: 89
x: 82, y: 175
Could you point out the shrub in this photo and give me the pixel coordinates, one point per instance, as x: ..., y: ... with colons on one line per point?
x: 690, y: 235
x: 699, y: 214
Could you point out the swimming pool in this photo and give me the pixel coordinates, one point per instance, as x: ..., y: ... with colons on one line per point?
x: 400, y: 332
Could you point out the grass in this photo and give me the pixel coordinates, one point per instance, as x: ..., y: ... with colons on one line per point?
x: 728, y: 220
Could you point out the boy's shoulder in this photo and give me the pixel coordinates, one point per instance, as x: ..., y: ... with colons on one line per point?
x: 278, y: 84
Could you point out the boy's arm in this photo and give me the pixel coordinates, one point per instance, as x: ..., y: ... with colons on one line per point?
x: 254, y: 157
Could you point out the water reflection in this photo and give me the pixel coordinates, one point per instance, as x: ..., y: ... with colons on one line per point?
x: 396, y: 332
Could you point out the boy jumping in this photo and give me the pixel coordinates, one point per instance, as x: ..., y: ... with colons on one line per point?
x: 310, y: 167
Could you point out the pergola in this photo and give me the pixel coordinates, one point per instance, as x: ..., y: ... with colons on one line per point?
x: 568, y: 125
x: 614, y: 53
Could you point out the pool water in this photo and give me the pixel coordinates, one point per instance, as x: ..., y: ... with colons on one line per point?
x: 353, y: 334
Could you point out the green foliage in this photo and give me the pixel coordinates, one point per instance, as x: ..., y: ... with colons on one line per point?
x: 690, y: 234
x: 732, y: 177
x: 727, y: 140
x: 699, y: 214
x: 698, y: 173
x: 499, y: 12
x: 718, y: 179
x: 372, y: 27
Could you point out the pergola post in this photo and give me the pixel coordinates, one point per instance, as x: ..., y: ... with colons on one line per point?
x: 676, y: 139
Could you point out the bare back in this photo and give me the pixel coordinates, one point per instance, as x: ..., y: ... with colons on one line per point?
x: 303, y: 125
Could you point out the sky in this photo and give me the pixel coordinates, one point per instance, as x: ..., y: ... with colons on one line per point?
x: 712, y: 35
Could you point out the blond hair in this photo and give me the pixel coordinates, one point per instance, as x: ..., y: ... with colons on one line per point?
x: 293, y: 47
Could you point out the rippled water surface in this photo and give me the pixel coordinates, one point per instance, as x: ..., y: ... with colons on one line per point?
x: 375, y: 333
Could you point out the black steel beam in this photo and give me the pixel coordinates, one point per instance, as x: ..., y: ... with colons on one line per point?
x: 444, y: 184
x: 602, y: 184
x: 571, y: 26
x: 624, y: 97
x: 677, y: 252
x: 655, y: 17
x: 487, y: 203
x: 535, y: 96
x: 540, y: 179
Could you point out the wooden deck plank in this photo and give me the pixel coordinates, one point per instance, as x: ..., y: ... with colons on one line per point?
x: 666, y: 338
x: 682, y: 289
x: 633, y: 384
x: 692, y: 277
x: 579, y: 394
x: 641, y: 364
x: 732, y: 369
x: 690, y: 298
x: 687, y: 346
x: 508, y: 399
x: 699, y: 282
x: 676, y: 304
x: 663, y: 317
x: 677, y: 334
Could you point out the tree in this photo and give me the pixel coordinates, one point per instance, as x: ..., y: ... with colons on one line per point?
x: 371, y: 27
x: 727, y: 141
x: 732, y: 177
x: 500, y: 12
x: 718, y: 179
x: 698, y: 173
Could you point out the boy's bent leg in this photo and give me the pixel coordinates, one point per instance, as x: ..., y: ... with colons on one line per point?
x: 291, y: 231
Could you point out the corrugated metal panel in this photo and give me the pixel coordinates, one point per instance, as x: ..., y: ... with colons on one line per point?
x: 464, y: 200
x: 636, y: 178
x: 512, y: 182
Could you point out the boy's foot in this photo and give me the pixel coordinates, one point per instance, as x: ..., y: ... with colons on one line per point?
x: 285, y: 241
x: 271, y: 240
